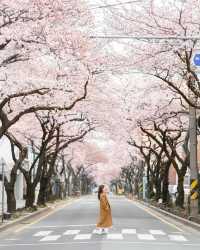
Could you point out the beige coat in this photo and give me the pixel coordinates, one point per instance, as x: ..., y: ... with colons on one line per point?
x: 105, y: 219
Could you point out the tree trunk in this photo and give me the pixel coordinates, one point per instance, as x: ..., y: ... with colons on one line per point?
x: 30, y: 196
x: 76, y: 184
x: 66, y: 184
x: 49, y: 192
x: 69, y: 187
x: 42, y: 196
x: 11, y: 201
x: 136, y: 187
x: 158, y: 189
x: 150, y: 192
x: 130, y: 186
x: 165, y: 187
x: 65, y: 188
x: 84, y: 186
x: 180, y: 192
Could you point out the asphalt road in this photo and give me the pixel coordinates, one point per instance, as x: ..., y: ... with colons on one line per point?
x: 72, y: 228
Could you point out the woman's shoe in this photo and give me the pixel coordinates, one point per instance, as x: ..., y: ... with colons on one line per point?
x: 104, y: 231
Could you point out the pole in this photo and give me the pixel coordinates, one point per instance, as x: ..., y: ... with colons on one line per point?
x: 144, y: 180
x: 2, y: 191
x: 193, y: 161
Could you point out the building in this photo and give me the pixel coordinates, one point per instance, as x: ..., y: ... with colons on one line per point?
x: 20, y: 185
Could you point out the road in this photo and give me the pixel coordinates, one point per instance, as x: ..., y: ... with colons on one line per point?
x: 72, y: 228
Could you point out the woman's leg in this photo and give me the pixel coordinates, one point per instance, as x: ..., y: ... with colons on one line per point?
x: 105, y: 230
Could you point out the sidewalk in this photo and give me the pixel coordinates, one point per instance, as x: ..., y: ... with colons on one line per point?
x: 19, y: 204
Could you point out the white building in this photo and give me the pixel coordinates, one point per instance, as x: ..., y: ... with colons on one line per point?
x: 5, y: 153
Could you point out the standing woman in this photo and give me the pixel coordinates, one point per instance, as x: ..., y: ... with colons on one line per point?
x: 105, y: 220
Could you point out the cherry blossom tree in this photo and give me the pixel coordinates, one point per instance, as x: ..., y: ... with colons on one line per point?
x: 169, y: 60
x: 46, y: 135
x: 44, y: 54
x: 164, y: 110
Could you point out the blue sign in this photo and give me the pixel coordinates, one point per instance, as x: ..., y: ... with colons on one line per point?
x: 196, y: 59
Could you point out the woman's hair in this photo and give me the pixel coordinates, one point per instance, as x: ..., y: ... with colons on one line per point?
x: 101, y: 187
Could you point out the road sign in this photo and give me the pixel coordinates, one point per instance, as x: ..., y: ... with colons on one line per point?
x: 196, y: 60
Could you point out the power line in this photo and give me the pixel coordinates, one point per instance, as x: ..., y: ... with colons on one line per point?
x: 114, y: 4
x: 184, y: 38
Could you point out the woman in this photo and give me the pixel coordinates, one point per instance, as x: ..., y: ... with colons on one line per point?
x: 105, y: 220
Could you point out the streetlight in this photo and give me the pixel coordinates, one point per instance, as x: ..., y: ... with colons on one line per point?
x: 2, y: 161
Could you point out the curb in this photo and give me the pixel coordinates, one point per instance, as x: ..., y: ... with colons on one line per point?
x: 173, y: 216
x: 24, y: 218
x: 33, y: 215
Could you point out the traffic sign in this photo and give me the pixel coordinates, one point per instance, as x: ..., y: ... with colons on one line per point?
x: 196, y: 60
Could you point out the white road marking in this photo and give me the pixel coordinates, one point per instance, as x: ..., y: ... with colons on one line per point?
x: 115, y: 237
x: 157, y: 232
x: 51, y: 238
x: 83, y: 237
x: 154, y: 243
x: 177, y: 238
x: 145, y: 237
x: 71, y: 232
x: 128, y: 231
x: 42, y: 233
x: 11, y: 239
x: 64, y: 226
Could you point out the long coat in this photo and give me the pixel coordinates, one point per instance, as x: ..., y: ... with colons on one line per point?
x: 105, y: 219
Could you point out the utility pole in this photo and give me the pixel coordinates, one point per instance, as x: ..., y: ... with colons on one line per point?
x: 3, y: 176
x: 193, y: 162
x: 194, y: 171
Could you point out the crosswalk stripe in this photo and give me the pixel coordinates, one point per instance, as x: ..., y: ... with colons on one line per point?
x: 96, y: 231
x: 177, y: 238
x: 42, y: 233
x: 128, y: 231
x: 157, y: 232
x: 151, y: 235
x: 51, y: 238
x: 12, y: 239
x: 83, y: 237
x: 71, y: 232
x: 145, y: 237
x: 115, y: 237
